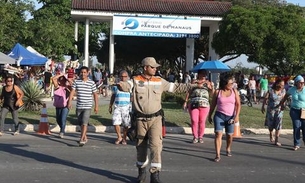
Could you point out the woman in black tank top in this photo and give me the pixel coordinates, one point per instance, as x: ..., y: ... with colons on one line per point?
x: 10, y: 103
x: 9, y: 98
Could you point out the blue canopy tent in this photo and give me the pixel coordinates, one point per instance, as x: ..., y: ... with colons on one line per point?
x: 25, y: 57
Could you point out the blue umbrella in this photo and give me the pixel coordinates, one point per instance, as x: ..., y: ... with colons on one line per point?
x: 212, y: 66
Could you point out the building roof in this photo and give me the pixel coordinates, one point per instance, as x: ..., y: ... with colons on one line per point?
x: 164, y: 7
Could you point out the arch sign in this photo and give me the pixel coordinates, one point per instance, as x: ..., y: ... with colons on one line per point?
x: 156, y: 26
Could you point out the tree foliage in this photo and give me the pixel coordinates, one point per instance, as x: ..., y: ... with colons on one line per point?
x: 53, y: 30
x: 249, y: 3
x: 50, y: 31
x: 13, y: 22
x: 272, y: 36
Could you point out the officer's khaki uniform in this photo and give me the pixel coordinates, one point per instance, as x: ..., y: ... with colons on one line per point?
x: 147, y: 101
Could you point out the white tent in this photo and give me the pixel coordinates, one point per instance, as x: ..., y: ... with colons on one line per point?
x: 34, y: 51
x: 4, y: 59
x: 47, y: 64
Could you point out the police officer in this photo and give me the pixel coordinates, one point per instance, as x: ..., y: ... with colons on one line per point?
x: 147, y: 90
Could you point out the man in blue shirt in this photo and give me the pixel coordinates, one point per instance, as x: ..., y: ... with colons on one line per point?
x: 122, y: 108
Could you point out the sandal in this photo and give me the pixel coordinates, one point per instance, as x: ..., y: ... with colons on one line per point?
x: 124, y: 142
x: 229, y: 154
x: 81, y: 143
x: 217, y: 159
x: 271, y: 138
x: 118, y: 141
x: 201, y: 141
x: 278, y: 144
x: 195, y: 140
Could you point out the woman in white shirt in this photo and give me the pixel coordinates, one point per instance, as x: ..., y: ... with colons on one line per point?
x: 252, y: 88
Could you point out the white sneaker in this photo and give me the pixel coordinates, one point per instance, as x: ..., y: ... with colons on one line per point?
x: 61, y: 135
x: 16, y: 133
x: 82, y: 143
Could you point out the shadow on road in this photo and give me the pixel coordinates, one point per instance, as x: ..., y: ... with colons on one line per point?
x: 16, y: 150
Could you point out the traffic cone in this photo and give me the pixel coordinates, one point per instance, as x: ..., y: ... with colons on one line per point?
x: 237, y: 133
x: 44, y: 124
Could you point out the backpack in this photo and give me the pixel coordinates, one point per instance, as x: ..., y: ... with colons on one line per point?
x: 60, y: 97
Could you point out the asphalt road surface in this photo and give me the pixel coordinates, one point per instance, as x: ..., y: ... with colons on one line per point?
x: 32, y: 158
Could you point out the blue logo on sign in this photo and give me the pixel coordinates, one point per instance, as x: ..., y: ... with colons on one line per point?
x: 131, y: 23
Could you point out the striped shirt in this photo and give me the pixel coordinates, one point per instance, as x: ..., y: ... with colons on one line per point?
x: 84, y: 91
x: 121, y: 98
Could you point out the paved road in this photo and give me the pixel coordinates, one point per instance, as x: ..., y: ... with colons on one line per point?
x: 30, y: 158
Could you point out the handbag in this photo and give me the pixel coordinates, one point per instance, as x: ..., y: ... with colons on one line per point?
x: 194, y: 105
x: 302, y: 113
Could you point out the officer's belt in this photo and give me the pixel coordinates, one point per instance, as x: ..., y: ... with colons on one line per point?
x: 141, y: 115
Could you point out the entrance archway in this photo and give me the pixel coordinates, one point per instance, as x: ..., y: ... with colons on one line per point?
x: 209, y: 13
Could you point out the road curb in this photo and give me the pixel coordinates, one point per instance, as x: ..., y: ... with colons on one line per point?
x: 110, y: 129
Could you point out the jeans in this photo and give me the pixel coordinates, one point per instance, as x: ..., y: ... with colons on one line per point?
x: 298, y: 125
x: 221, y: 121
x: 61, y: 117
x: 4, y: 112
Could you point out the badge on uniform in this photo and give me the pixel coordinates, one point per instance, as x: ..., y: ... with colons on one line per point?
x: 141, y: 83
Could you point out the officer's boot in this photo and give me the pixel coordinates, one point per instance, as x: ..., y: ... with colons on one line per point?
x: 154, y: 177
x: 142, y: 175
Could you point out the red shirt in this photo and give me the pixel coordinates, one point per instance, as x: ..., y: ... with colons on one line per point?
x: 71, y: 73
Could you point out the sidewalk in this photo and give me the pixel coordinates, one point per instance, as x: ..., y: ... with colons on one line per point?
x: 110, y: 129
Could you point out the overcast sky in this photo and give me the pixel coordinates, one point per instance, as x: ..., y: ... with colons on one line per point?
x: 297, y: 2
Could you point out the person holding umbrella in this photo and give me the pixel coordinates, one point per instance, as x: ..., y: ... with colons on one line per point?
x: 197, y: 103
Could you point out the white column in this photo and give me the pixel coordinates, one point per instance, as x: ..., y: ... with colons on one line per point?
x: 212, y: 53
x: 76, y: 33
x: 86, y: 47
x: 190, y: 47
x: 111, y: 49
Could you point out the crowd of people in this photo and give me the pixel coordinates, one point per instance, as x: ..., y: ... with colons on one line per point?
x: 138, y: 98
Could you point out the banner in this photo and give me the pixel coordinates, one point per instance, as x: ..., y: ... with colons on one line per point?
x: 156, y: 26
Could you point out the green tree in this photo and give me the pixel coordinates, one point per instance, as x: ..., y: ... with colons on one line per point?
x: 272, y: 36
x: 283, y: 51
x: 248, y: 3
x: 53, y: 31
x: 13, y: 27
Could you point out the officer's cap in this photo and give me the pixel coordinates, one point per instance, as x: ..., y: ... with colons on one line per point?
x: 151, y: 61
